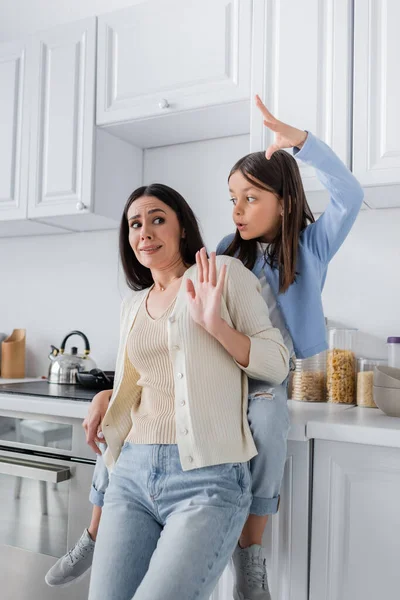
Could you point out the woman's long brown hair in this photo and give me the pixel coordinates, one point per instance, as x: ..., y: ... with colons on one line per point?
x: 281, y: 176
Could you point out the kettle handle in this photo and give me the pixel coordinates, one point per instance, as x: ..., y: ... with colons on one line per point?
x: 83, y: 336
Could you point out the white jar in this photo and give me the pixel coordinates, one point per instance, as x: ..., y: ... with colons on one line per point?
x: 393, y: 344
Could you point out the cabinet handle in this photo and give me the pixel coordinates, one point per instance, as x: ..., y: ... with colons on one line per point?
x: 80, y: 206
x: 34, y: 470
x: 163, y: 103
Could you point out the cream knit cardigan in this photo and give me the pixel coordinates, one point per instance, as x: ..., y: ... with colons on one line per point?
x: 210, y: 386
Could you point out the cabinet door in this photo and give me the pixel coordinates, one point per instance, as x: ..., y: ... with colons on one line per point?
x: 163, y: 57
x: 286, y: 537
x: 14, y: 131
x: 302, y: 70
x: 355, y: 541
x: 376, y: 149
x: 62, y: 75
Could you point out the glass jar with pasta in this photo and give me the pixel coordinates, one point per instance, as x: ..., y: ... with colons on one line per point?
x: 309, y: 379
x: 341, y: 366
x: 365, y: 381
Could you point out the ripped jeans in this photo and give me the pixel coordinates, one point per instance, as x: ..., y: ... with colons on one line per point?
x: 268, y: 417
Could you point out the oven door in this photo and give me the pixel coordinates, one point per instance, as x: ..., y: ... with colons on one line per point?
x: 44, y: 510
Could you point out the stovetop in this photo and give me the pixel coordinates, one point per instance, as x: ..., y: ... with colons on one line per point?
x: 52, y: 390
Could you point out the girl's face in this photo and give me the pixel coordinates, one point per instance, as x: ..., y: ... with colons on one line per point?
x: 257, y: 213
x: 154, y: 233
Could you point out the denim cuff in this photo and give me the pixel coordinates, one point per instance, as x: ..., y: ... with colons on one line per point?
x: 264, y: 506
x: 95, y: 497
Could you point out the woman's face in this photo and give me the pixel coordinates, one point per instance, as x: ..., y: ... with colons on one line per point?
x: 257, y: 213
x: 154, y: 233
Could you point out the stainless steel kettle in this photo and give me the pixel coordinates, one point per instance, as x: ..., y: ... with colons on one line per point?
x: 64, y: 367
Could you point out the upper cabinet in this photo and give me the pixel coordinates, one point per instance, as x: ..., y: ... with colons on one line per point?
x: 58, y: 173
x: 159, y: 59
x: 14, y: 131
x: 14, y: 143
x: 79, y: 178
x: 79, y: 103
x: 302, y: 69
x: 376, y: 145
x: 62, y: 85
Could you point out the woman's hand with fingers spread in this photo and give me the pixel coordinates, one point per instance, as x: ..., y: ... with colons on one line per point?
x: 205, y: 300
x: 286, y: 136
x: 91, y: 424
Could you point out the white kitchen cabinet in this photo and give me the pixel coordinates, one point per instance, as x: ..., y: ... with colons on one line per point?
x: 58, y: 172
x: 79, y: 177
x: 287, y: 534
x: 14, y: 131
x: 62, y: 86
x: 302, y: 70
x: 376, y: 142
x: 161, y: 59
x: 355, y: 541
x: 14, y: 143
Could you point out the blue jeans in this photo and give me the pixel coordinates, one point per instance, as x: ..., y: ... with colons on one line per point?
x: 268, y: 417
x: 166, y: 533
x: 99, y: 480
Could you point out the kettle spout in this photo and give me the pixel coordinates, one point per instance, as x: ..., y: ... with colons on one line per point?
x: 54, y: 352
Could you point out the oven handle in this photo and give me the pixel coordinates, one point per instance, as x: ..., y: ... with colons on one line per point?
x: 33, y: 470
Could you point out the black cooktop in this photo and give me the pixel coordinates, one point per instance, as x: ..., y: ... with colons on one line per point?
x: 53, y: 390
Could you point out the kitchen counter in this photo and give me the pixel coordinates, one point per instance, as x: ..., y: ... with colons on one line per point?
x: 335, y: 422
x: 357, y: 425
x: 39, y: 405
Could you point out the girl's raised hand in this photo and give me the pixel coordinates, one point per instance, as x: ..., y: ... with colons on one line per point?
x: 205, y: 300
x: 286, y: 136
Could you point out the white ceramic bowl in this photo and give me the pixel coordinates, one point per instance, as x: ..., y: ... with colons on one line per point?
x: 387, y: 377
x: 388, y: 400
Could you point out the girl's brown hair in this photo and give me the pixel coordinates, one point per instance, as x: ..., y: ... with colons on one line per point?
x: 281, y: 176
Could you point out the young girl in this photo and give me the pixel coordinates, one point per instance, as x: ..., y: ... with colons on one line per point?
x: 279, y: 240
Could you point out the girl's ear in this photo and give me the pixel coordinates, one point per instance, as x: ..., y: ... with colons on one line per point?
x: 183, y: 234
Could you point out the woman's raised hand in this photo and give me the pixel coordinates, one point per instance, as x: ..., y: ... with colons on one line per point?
x: 286, y: 136
x: 205, y: 300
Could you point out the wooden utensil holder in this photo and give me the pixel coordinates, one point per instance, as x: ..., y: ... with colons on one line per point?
x: 13, y: 355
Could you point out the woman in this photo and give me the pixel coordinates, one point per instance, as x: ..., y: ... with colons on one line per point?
x: 178, y: 440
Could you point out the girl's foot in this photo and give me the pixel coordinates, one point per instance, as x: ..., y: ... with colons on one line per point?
x: 250, y: 573
x: 72, y: 566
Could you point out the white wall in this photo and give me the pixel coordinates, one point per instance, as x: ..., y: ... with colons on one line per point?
x: 363, y: 285
x: 54, y: 284
x: 199, y: 171
x: 58, y: 283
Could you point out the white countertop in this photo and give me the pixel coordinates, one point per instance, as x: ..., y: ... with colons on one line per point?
x: 336, y: 422
x: 42, y: 405
x: 343, y: 423
x: 357, y: 425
